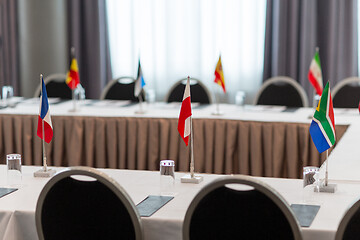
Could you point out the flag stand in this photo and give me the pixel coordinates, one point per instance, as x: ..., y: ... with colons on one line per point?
x: 140, y: 110
x: 45, y: 171
x: 325, y: 186
x: 191, y: 178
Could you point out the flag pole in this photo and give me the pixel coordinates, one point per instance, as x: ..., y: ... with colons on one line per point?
x: 43, y: 146
x: 45, y: 172
x: 191, y: 149
x: 217, y: 110
x: 191, y: 178
x: 325, y: 186
x: 43, y: 132
x: 74, y: 100
x: 217, y: 102
x: 326, y: 170
x: 140, y: 111
x: 140, y: 102
x: 72, y: 53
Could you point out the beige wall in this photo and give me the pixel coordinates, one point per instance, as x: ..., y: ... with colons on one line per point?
x: 42, y: 40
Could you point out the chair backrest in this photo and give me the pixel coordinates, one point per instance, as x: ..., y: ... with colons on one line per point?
x: 70, y: 207
x: 346, y: 94
x: 55, y: 87
x: 198, y: 91
x: 221, y: 211
x: 121, y: 89
x: 349, y: 227
x: 282, y: 91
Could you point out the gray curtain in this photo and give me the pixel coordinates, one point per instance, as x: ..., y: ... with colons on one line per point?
x: 295, y: 28
x: 9, y: 73
x: 87, y: 27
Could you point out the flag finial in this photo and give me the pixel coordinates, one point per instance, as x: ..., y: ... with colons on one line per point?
x: 72, y: 52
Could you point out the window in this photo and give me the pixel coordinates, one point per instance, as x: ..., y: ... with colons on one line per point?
x: 177, y: 38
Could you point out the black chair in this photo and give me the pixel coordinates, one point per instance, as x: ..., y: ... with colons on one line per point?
x: 121, y: 89
x: 198, y: 91
x: 56, y: 87
x: 222, y: 210
x: 346, y: 94
x: 349, y: 227
x: 84, y: 203
x: 283, y: 91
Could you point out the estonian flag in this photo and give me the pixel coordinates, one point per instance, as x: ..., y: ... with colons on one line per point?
x: 139, y: 83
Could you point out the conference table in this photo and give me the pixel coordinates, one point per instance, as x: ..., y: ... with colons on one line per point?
x: 17, y: 209
x: 263, y: 125
x: 269, y: 141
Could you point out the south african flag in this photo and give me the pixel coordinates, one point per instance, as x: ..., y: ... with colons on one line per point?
x: 322, y: 128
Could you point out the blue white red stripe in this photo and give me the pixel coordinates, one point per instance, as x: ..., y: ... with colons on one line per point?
x: 44, y: 116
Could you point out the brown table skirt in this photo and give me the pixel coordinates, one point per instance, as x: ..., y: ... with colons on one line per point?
x: 271, y: 149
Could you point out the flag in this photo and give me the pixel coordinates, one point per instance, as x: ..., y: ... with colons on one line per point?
x: 219, y: 75
x: 184, y: 126
x: 72, y: 76
x: 322, y: 128
x: 139, y: 83
x: 315, y: 75
x: 44, y: 115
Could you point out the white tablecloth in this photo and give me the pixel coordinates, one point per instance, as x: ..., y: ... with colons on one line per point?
x: 111, y: 108
x: 17, y: 210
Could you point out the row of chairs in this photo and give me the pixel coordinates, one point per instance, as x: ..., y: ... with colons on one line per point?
x: 73, y: 207
x: 280, y: 90
x: 123, y: 89
x: 286, y: 91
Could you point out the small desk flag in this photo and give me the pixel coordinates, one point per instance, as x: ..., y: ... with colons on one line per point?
x: 315, y: 74
x: 184, y: 124
x: 139, y: 83
x: 44, y: 116
x: 219, y: 75
x: 72, y: 76
x: 322, y: 128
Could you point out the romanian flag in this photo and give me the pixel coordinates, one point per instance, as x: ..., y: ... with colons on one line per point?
x: 139, y: 82
x: 184, y: 124
x: 72, y: 77
x: 219, y: 75
x: 322, y: 128
x: 315, y: 74
x: 44, y: 116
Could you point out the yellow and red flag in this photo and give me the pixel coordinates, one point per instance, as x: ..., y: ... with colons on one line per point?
x: 219, y: 75
x: 72, y: 77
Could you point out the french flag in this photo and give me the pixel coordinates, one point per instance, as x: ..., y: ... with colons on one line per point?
x: 184, y: 124
x: 44, y: 116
